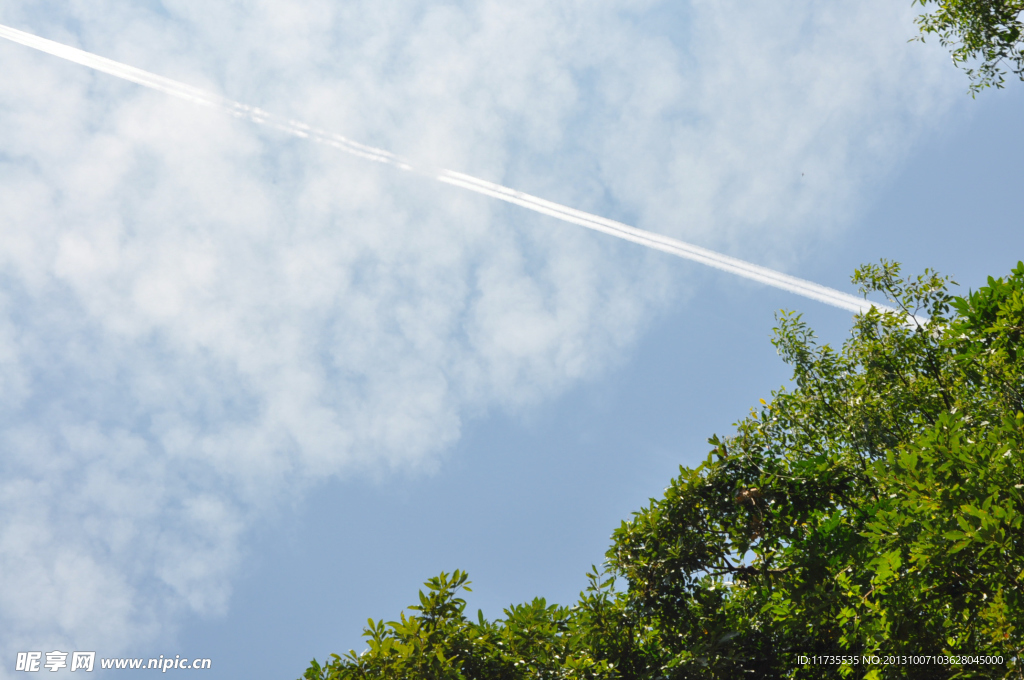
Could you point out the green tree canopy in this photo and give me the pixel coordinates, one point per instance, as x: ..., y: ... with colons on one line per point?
x: 438, y: 642
x: 985, y: 37
x: 873, y: 509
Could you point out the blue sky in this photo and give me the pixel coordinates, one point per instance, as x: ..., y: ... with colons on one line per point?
x: 256, y: 391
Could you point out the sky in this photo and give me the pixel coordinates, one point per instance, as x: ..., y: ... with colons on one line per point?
x: 255, y: 391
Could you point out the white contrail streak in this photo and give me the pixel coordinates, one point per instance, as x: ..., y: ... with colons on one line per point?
x: 733, y: 265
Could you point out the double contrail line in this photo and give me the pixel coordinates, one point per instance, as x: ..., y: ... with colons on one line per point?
x: 649, y: 239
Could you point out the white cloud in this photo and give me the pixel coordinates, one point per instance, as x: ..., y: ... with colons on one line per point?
x: 200, y: 317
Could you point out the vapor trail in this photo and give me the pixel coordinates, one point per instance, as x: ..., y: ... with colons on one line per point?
x: 733, y: 265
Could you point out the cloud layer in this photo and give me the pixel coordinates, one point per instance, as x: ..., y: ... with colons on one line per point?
x: 198, y: 318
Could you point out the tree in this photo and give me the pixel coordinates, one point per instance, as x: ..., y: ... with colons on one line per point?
x: 985, y: 37
x: 437, y: 642
x: 875, y: 509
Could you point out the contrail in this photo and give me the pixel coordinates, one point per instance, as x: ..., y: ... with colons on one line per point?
x: 672, y: 246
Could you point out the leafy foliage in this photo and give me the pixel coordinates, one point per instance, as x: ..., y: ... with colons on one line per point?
x: 438, y: 642
x: 875, y: 508
x: 985, y: 37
